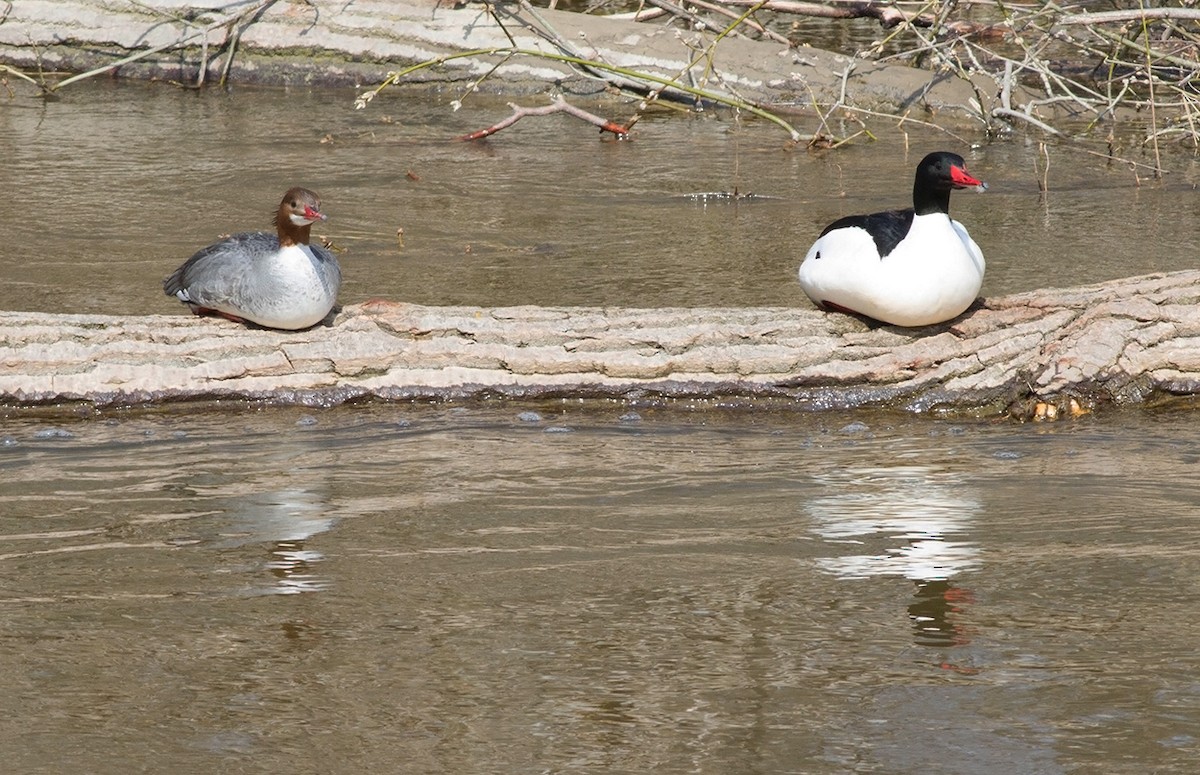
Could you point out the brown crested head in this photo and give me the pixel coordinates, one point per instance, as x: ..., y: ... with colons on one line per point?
x: 298, y: 211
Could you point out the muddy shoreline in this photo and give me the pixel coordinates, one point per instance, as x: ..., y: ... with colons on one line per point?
x: 359, y: 44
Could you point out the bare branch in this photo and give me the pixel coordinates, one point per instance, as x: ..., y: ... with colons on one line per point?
x: 1132, y: 15
x: 229, y: 20
x: 559, y: 105
x: 888, y: 15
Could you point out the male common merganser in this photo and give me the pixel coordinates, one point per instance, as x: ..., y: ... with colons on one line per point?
x: 913, y: 267
x: 274, y: 281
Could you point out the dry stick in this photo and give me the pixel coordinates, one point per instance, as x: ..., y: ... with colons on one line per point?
x: 907, y: 119
x: 394, y: 77
x: 1031, y: 63
x: 887, y: 15
x: 158, y: 49
x: 948, y: 8
x: 1182, y: 33
x: 1044, y: 172
x: 1121, y: 40
x: 842, y: 103
x: 841, y: 100
x: 1058, y: 87
x: 1150, y: 81
x: 546, y: 31
x: 960, y: 71
x: 654, y: 95
x: 828, y: 140
x: 473, y: 85
x: 1122, y: 159
x: 705, y: 53
x: 644, y: 15
x: 231, y: 49
x: 551, y: 35
x: 965, y: 73
x: 1142, y: 14
x: 1006, y: 87
x: 19, y: 74
x: 1006, y: 91
x: 899, y: 28
x: 203, y: 69
x: 550, y: 31
x: 1191, y: 102
x: 559, y: 105
x: 751, y: 23
x: 228, y: 64
x: 1010, y: 113
x: 710, y: 71
x: 682, y: 13
x: 584, y: 64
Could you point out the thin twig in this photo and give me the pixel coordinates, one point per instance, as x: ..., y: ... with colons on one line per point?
x: 21, y: 75
x: 1043, y: 171
x: 165, y: 47
x: 365, y: 98
x: 886, y: 13
x: 1113, y: 157
x: 706, y: 53
x: 1142, y: 14
x: 751, y: 23
x: 1150, y: 81
x: 906, y: 119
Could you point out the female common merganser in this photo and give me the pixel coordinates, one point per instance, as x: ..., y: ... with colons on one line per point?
x: 274, y: 281
x: 912, y: 267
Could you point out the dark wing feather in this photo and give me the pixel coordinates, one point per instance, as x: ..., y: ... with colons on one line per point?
x: 887, y: 228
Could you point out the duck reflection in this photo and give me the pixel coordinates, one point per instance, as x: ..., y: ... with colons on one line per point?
x: 919, y: 515
x: 936, y: 613
x: 284, y: 520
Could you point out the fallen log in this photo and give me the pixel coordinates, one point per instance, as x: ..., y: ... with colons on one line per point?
x: 1125, y: 341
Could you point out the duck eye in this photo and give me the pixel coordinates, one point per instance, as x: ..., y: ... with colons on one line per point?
x: 293, y: 204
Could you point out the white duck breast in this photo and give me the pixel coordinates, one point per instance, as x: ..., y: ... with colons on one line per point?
x: 274, y: 281
x: 304, y: 289
x: 933, y: 274
x: 912, y: 267
x: 248, y: 276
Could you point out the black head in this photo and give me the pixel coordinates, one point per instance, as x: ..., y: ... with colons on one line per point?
x: 937, y: 175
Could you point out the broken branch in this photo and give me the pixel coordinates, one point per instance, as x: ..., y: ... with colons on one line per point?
x: 559, y: 105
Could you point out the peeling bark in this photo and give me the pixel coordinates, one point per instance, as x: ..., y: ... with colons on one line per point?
x: 1122, y: 342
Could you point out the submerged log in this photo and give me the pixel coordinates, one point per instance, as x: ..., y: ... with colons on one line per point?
x: 1119, y: 342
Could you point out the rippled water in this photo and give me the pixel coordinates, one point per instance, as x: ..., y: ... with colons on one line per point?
x: 481, y: 590
x: 119, y: 183
x: 601, y: 587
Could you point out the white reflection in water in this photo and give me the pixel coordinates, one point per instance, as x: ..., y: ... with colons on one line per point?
x: 284, y: 520
x: 917, y: 506
x: 925, y: 513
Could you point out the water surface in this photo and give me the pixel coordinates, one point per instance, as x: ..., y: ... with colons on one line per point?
x: 120, y: 182
x: 601, y: 587
x: 463, y: 590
